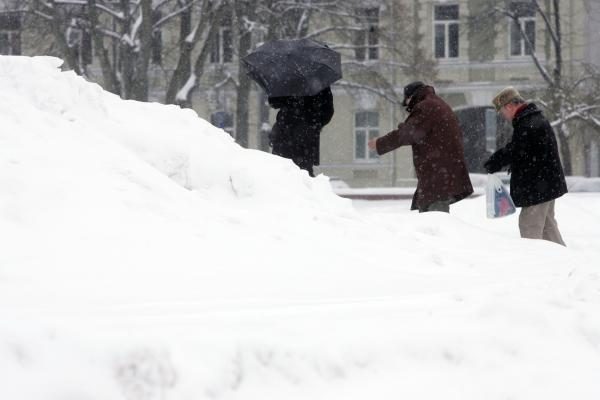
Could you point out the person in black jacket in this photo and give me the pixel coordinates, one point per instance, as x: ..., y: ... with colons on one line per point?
x: 297, y: 129
x: 537, y: 177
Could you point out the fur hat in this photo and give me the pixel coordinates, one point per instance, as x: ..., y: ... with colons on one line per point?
x: 505, y: 96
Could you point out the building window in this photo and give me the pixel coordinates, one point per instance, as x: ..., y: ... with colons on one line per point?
x: 223, y: 120
x: 366, y: 127
x: 525, y: 12
x: 366, y: 41
x: 80, y: 41
x: 445, y: 33
x: 222, y: 47
x: 10, y: 34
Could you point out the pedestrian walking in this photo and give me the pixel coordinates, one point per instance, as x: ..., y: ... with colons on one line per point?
x: 433, y: 132
x: 297, y: 74
x: 537, y: 177
x: 297, y: 130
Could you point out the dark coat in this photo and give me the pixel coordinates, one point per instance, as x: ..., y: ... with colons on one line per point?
x: 437, y: 145
x: 296, y: 132
x: 532, y: 156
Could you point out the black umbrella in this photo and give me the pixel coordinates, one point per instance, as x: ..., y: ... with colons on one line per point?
x: 301, y: 67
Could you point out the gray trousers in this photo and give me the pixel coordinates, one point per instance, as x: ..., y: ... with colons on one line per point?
x: 537, y: 222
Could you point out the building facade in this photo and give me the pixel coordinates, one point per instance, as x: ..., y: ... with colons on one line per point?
x: 474, y: 55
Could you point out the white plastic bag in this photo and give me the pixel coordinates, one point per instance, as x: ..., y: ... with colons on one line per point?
x: 498, y: 200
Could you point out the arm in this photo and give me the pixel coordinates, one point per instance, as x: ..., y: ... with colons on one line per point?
x: 515, y: 150
x: 319, y: 108
x: 498, y: 160
x: 411, y: 131
x: 327, y: 104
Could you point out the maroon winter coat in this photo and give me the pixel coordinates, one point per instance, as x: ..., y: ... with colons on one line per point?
x: 437, y: 145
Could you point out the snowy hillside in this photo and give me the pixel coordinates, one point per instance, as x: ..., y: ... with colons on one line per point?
x: 144, y: 255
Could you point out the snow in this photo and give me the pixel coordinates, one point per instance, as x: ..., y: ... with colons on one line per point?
x: 145, y: 255
x: 583, y: 184
x: 183, y: 93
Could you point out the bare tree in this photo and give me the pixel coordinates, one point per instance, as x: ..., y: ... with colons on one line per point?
x: 186, y: 75
x: 372, y: 51
x: 129, y: 27
x: 566, y: 98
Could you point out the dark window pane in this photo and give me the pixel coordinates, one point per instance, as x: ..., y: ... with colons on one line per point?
x: 361, y: 145
x: 446, y: 13
x: 373, y: 36
x: 214, y: 51
x: 4, y: 44
x: 360, y: 119
x: 10, y: 22
x: 368, y: 14
x: 227, y: 46
x: 372, y: 14
x: 373, y: 119
x: 359, y: 40
x: 530, y: 32
x: 16, y: 43
x: 440, y: 41
x: 373, y: 50
x: 453, y: 40
x: 373, y: 43
x: 373, y: 134
x: 523, y: 8
x: 86, y: 48
x: 373, y: 53
x: 515, y: 39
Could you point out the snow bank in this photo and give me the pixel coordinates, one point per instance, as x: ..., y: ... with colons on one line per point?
x: 147, y: 256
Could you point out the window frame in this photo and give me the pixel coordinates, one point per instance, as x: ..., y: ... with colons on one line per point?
x: 371, y: 23
x: 220, y: 47
x: 446, y: 25
x: 522, y: 21
x: 370, y: 132
x: 522, y: 44
x: 12, y: 30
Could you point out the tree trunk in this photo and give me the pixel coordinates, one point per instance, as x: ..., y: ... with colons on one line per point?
x: 58, y: 31
x: 184, y: 63
x: 565, y: 150
x: 140, y: 83
x: 108, y: 76
x: 208, y: 21
x: 243, y: 9
x: 126, y: 54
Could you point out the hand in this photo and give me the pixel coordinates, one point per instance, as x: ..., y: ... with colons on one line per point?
x: 372, y: 144
x: 490, y: 167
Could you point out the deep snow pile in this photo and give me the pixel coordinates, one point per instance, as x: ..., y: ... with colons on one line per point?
x: 147, y: 256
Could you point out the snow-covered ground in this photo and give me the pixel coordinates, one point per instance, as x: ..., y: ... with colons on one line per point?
x: 144, y: 255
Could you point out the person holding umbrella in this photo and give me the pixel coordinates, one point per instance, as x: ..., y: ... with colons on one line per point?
x: 297, y: 129
x: 296, y: 75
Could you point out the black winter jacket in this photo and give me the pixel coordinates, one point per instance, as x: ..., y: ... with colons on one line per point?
x: 533, y: 159
x: 296, y: 132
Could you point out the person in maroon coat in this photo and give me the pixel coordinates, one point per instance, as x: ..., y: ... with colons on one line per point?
x: 433, y: 131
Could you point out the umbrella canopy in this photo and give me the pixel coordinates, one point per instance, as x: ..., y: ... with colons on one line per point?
x: 301, y: 67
